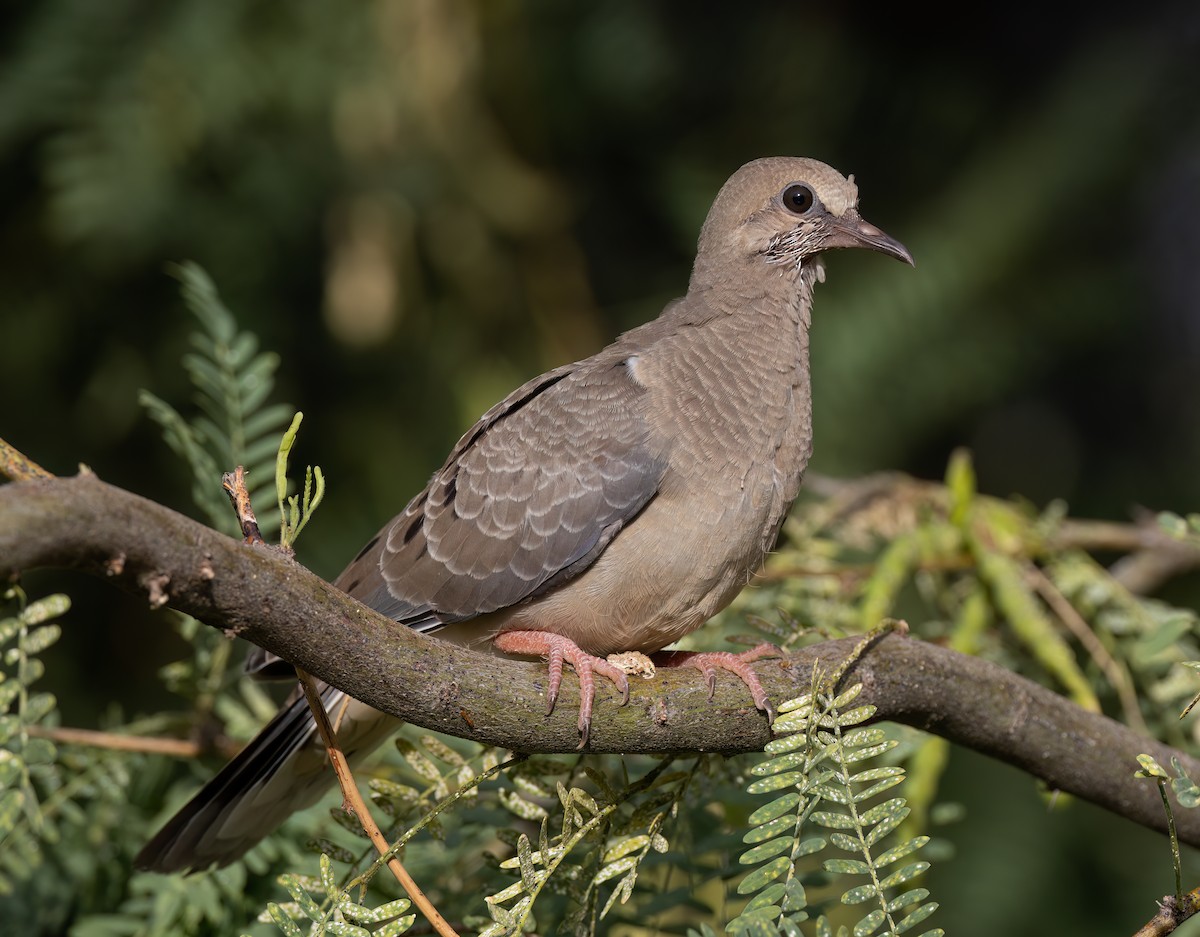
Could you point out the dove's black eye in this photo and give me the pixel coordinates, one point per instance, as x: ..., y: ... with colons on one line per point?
x: 798, y: 198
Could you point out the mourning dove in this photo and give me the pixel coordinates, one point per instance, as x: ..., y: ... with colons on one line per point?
x: 610, y: 505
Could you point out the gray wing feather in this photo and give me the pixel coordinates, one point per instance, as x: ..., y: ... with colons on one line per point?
x: 528, y: 498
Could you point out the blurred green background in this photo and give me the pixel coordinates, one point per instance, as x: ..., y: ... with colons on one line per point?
x: 421, y: 203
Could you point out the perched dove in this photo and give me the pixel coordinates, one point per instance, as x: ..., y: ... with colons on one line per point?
x: 610, y: 505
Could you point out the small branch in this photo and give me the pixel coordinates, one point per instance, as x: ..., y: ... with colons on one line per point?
x: 1171, y: 913
x: 18, y: 467
x: 234, y: 484
x: 353, y: 802
x: 239, y: 496
x: 150, y: 745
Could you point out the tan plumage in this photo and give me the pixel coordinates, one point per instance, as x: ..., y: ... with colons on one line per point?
x: 618, y: 502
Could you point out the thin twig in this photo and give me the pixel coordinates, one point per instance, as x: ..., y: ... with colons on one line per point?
x: 353, y: 802
x: 150, y: 745
x: 1117, y: 675
x: 1171, y: 913
x: 18, y: 467
x: 234, y: 484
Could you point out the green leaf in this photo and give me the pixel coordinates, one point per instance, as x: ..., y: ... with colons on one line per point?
x: 839, y: 795
x: 282, y: 921
x: 809, y: 846
x: 847, y: 697
x: 787, y: 743
x: 39, y: 706
x: 1150, y: 768
x: 1031, y: 624
x: 861, y: 754
x: 395, y: 928
x: 11, y: 803
x: 300, y: 895
x: 258, y: 456
x: 10, y: 765
x: 766, y: 850
x: 795, y: 705
x: 764, y: 874
x: 776, y: 827
x: 419, y: 762
x: 864, y: 735
x: 1173, y: 524
x: 585, y: 800
x: 256, y: 384
x: 46, y: 608
x: 906, y: 874
x: 889, y: 809
x: 208, y: 377
x: 892, y: 571
x: 897, y: 853
x: 869, y: 924
x: 391, y: 790
x: 792, y: 723
x: 621, y: 893
x: 916, y: 917
x: 519, y: 806
x: 267, y: 421
x: 877, y: 789
x: 776, y: 808
x: 778, y: 782
x: 766, y: 898
x: 912, y: 896
x: 846, y: 867
x: 873, y: 774
x: 9, y: 691
x: 757, y: 923
x: 794, y: 897
x: 832, y: 820
x: 1164, y: 636
x: 886, y: 825
x: 775, y: 765
x: 281, y: 457
x: 626, y: 845
x: 529, y: 873
x: 345, y: 929
x: 846, y: 842
x: 1186, y: 791
x: 860, y: 894
x: 441, y: 751
x: 39, y: 752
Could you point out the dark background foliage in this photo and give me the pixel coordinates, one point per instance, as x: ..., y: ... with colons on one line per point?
x: 421, y: 204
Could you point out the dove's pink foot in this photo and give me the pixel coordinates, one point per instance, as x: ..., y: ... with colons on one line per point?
x: 557, y: 649
x: 709, y: 662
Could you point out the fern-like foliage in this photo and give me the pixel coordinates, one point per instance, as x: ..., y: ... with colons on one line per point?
x: 235, y: 425
x: 595, y: 842
x: 27, y: 763
x: 337, y: 913
x: 818, y: 760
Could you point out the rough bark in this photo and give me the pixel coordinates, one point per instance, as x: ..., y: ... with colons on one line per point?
x: 255, y: 592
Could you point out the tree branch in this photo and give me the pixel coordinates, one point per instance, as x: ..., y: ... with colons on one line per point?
x: 255, y: 592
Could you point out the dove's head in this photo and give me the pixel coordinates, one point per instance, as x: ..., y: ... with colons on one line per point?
x: 773, y: 215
